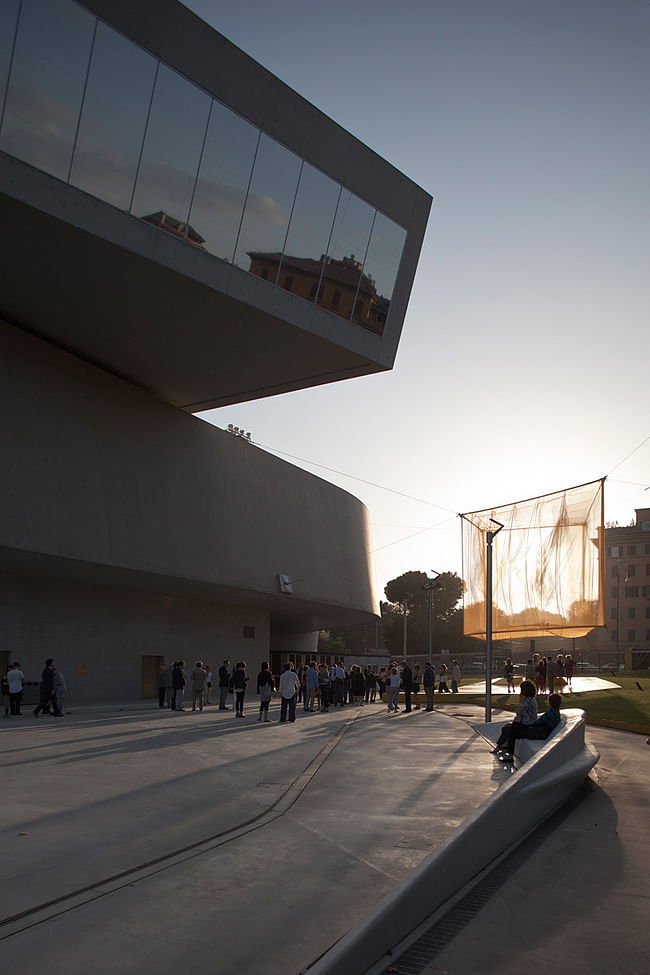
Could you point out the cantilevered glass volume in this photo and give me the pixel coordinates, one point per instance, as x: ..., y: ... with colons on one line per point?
x: 89, y: 106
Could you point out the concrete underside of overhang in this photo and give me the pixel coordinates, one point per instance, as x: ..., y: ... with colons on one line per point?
x: 287, y: 612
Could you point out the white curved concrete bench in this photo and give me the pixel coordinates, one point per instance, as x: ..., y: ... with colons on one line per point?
x: 552, y: 771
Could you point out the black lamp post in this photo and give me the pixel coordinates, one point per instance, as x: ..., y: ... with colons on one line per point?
x: 429, y: 586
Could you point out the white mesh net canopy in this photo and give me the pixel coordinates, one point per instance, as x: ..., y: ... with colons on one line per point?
x: 547, y: 565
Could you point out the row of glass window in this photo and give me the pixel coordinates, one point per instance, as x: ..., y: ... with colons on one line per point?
x: 82, y: 102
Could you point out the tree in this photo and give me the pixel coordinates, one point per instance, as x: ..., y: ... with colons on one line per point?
x: 412, y: 588
x: 329, y: 642
x: 447, y: 597
x: 407, y: 587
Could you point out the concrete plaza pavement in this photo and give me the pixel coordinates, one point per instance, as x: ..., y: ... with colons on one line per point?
x: 251, y: 846
x: 574, y: 896
x: 254, y: 847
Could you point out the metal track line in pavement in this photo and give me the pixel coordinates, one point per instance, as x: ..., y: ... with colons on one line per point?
x: 34, y: 916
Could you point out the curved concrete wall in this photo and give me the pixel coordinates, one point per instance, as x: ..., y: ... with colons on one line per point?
x: 100, y: 474
x: 549, y: 777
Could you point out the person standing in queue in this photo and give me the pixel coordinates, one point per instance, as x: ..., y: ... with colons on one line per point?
x: 324, y: 685
x: 429, y: 684
x: 455, y: 676
x: 224, y: 681
x: 239, y: 681
x: 407, y: 684
x: 178, y: 684
x: 311, y: 686
x: 46, y: 689
x: 288, y: 688
x: 265, y: 689
x: 15, y: 680
x: 197, y: 679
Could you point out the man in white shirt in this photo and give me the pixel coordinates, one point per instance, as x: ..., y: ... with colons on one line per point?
x: 339, y: 683
x: 288, y: 688
x: 15, y: 678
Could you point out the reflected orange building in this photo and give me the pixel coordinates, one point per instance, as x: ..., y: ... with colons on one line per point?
x: 176, y: 227
x: 337, y: 286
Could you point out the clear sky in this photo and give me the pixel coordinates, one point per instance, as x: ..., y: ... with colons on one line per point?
x: 524, y: 363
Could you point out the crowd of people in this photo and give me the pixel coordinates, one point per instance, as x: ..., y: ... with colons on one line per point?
x: 318, y: 687
x: 549, y: 673
x: 52, y: 690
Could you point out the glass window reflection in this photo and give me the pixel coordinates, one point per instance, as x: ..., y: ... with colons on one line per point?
x: 268, y: 208
x: 309, y: 234
x: 347, y: 251
x: 46, y: 84
x: 226, y: 166
x: 381, y: 266
x: 171, y: 154
x: 114, y: 116
x: 8, y: 18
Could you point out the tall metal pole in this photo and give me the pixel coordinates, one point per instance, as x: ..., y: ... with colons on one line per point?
x: 429, y: 586
x: 488, y: 621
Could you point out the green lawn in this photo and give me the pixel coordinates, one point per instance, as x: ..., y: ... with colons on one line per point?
x: 624, y: 707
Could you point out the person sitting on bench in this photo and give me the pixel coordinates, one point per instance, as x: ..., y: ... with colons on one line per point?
x: 539, y: 729
x: 526, y: 713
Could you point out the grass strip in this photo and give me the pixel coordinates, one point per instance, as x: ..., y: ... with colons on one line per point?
x: 626, y: 708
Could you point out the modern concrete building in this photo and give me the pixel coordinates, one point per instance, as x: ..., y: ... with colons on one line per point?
x: 159, y: 189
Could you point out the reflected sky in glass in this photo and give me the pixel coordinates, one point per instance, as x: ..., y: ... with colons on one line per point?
x: 384, y: 254
x: 313, y: 215
x: 47, y: 81
x: 114, y: 116
x: 172, y: 148
x: 8, y: 15
x: 270, y: 199
x: 226, y: 166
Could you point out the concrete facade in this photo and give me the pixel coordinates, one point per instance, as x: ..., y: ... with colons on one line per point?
x: 131, y: 526
x: 132, y: 533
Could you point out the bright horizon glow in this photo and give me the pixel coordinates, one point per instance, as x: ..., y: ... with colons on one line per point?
x: 523, y: 363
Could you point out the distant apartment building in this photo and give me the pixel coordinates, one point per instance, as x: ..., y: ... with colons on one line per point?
x: 627, y: 591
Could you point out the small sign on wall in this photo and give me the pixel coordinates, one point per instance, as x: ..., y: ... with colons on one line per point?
x: 82, y: 670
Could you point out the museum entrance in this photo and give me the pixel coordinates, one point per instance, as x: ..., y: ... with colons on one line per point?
x: 151, y: 664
